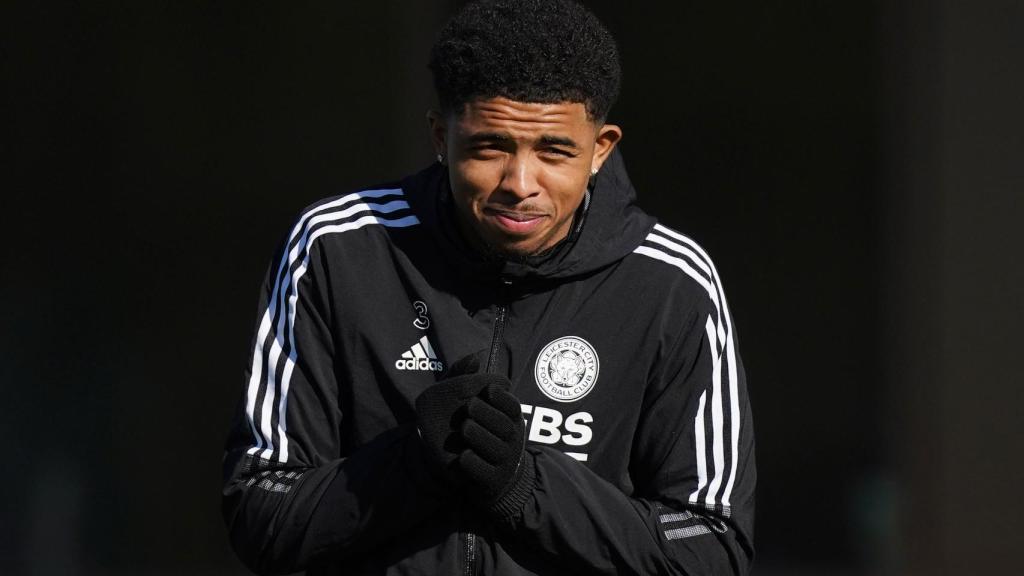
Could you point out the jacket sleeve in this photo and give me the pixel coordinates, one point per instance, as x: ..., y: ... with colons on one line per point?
x: 692, y: 467
x: 293, y: 495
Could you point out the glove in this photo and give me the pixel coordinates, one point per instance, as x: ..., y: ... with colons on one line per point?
x: 440, y: 412
x: 473, y: 433
x: 436, y: 407
x: 494, y: 461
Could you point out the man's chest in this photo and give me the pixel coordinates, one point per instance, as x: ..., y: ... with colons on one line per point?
x: 579, y: 357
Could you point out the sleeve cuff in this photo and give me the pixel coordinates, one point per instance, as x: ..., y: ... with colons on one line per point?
x: 509, y: 507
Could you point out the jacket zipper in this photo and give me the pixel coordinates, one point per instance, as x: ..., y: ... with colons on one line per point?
x: 499, y: 331
x: 500, y: 315
x: 470, y: 553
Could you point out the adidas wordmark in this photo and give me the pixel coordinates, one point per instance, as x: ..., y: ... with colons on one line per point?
x: 420, y: 357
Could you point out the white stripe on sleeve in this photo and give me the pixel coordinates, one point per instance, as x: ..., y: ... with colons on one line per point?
x: 700, y: 449
x: 717, y: 449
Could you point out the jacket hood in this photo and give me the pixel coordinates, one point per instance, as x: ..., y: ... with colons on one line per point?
x: 607, y: 226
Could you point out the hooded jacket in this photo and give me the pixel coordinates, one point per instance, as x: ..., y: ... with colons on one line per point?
x: 618, y: 343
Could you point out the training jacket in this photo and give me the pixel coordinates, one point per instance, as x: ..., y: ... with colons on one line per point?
x: 618, y: 343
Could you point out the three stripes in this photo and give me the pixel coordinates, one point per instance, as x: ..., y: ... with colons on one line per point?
x: 421, y: 349
x: 717, y: 422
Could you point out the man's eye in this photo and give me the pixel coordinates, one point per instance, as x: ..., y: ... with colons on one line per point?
x: 559, y: 152
x: 486, y: 147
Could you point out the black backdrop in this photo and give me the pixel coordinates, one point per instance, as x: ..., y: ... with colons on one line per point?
x: 853, y: 167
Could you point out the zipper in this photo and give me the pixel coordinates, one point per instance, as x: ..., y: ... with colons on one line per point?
x: 499, y: 330
x: 470, y: 553
x: 500, y: 315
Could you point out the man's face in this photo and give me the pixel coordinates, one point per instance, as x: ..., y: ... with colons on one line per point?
x: 519, y: 170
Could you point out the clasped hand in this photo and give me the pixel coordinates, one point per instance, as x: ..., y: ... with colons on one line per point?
x: 472, y: 430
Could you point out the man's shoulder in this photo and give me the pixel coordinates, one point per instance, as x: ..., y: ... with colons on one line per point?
x: 332, y: 220
x: 677, y: 266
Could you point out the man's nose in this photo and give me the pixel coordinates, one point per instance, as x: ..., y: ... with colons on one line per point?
x: 520, y: 176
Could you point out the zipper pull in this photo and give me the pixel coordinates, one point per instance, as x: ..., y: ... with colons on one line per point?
x: 504, y: 288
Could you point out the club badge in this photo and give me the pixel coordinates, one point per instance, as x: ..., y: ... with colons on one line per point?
x: 566, y: 369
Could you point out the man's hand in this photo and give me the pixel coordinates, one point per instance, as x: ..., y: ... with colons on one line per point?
x: 440, y: 412
x: 494, y: 437
x: 473, y: 429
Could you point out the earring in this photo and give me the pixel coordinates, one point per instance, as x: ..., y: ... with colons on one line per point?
x: 440, y: 158
x: 593, y: 172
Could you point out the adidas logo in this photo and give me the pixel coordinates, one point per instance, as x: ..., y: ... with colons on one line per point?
x: 420, y: 357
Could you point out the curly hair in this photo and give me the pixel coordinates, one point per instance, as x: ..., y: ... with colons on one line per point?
x: 541, y: 51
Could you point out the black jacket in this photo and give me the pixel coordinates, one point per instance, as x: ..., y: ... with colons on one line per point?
x: 618, y: 343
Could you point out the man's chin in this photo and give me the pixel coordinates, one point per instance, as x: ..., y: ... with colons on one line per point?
x: 510, y: 251
x: 506, y: 253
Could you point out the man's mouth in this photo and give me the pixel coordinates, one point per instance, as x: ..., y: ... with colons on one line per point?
x: 514, y: 222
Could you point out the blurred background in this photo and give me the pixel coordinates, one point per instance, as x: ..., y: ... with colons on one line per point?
x: 856, y: 169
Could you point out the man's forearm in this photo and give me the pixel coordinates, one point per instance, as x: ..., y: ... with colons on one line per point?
x: 586, y: 522
x: 334, y: 510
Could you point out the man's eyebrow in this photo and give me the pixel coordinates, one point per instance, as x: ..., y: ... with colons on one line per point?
x: 489, y: 137
x: 558, y: 141
x: 546, y: 140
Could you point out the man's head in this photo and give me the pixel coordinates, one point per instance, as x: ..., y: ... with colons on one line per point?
x: 524, y: 87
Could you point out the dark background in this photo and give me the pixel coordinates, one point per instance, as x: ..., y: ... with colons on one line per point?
x: 855, y: 168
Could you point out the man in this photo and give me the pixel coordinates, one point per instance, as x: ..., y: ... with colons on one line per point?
x: 499, y: 365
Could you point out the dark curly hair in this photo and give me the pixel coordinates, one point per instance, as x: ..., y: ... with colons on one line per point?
x: 543, y: 51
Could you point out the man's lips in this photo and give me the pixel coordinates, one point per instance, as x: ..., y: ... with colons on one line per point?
x: 515, y: 222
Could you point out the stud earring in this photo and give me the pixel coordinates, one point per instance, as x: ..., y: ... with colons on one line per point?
x: 440, y: 158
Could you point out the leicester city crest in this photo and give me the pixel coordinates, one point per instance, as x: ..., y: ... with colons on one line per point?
x: 566, y: 369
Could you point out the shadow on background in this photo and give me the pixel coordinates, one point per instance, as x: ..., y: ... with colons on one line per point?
x: 854, y: 168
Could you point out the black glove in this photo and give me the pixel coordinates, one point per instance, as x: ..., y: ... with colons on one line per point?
x: 440, y: 411
x: 473, y: 430
x: 493, y: 436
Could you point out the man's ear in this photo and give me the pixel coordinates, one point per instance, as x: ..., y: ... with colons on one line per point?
x: 438, y: 132
x: 608, y: 135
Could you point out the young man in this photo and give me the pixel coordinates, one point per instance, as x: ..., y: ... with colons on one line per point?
x: 499, y: 365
